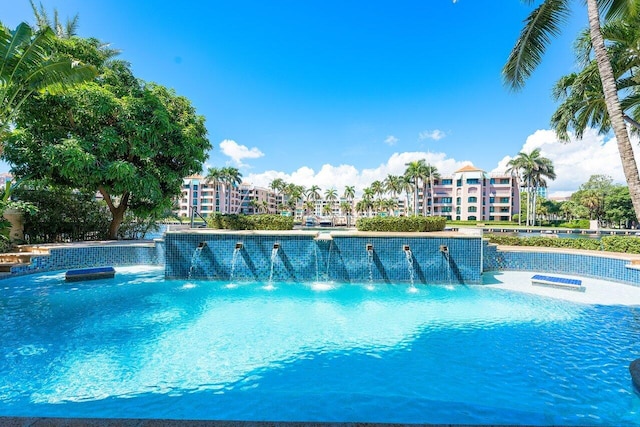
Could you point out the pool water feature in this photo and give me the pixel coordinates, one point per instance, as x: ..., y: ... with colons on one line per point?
x: 142, y: 346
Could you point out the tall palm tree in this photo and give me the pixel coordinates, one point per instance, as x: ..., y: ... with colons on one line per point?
x: 63, y: 30
x: 331, y: 195
x: 214, y: 176
x: 533, y: 168
x: 347, y: 208
x: 230, y: 177
x: 378, y: 188
x: 313, y: 193
x: 414, y: 174
x: 581, y: 95
x: 431, y: 174
x: 277, y: 185
x: 29, y: 65
x: 349, y: 192
x: 406, y: 186
x: 393, y: 185
x: 367, y: 198
x: 543, y: 23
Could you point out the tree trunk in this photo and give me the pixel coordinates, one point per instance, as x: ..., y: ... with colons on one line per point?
x: 610, y: 90
x: 117, y: 212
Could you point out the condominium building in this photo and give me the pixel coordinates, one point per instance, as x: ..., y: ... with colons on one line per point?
x: 472, y: 194
x: 468, y: 194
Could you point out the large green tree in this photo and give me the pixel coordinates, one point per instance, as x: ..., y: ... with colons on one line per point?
x: 543, y: 24
x: 30, y: 65
x: 128, y: 140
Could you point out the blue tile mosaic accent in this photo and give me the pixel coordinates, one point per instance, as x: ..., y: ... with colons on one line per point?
x: 600, y: 267
x: 228, y: 256
x: 64, y: 258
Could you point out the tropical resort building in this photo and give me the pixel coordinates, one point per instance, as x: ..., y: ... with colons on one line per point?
x: 472, y: 194
x: 467, y: 194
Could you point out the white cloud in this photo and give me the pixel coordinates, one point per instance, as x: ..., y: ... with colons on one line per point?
x: 435, y: 134
x: 330, y: 176
x: 238, y: 152
x: 391, y: 140
x: 575, y: 161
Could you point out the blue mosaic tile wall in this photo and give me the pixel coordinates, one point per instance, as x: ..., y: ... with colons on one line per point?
x: 600, y: 267
x: 303, y: 258
x: 64, y: 258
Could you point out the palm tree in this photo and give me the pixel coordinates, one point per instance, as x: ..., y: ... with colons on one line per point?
x: 431, y: 174
x: 543, y: 23
x: 406, y: 186
x: 214, y: 176
x: 416, y: 171
x: 346, y: 207
x: 230, y: 177
x: 331, y: 195
x: 378, y: 188
x: 277, y: 185
x: 28, y: 66
x: 581, y: 95
x: 393, y: 185
x: 367, y: 196
x: 313, y: 193
x: 533, y: 168
x: 63, y: 31
x: 349, y: 192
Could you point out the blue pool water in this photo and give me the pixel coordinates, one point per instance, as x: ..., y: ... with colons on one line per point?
x: 140, y: 346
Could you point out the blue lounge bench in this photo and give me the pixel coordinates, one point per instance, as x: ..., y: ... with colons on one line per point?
x: 89, y: 274
x: 557, y: 282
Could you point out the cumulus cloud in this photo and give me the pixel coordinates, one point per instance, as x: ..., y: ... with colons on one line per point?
x: 391, y: 140
x: 238, y: 152
x: 575, y: 161
x: 435, y: 134
x: 330, y: 176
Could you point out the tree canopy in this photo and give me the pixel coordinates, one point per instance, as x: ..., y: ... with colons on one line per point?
x: 129, y: 140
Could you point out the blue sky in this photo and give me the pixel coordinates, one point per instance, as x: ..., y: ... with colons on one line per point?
x: 341, y: 92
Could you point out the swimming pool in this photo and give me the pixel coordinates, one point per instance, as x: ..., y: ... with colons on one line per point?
x: 140, y: 346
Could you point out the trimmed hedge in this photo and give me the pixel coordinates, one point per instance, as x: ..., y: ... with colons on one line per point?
x: 402, y: 223
x: 250, y: 222
x: 576, y: 223
x: 625, y: 244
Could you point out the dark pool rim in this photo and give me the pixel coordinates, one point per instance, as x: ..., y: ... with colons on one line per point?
x: 133, y: 422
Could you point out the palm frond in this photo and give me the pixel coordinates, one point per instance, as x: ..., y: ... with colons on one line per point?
x: 540, y: 26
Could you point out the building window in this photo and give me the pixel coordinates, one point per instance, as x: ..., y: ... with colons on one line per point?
x: 504, y: 200
x: 504, y: 181
x: 459, y: 183
x: 504, y: 209
x: 447, y: 181
x: 473, y: 181
x: 492, y: 209
x: 492, y: 199
x: 473, y: 209
x: 472, y: 218
x: 458, y: 200
x: 446, y: 200
x: 473, y: 199
x: 446, y: 209
x: 492, y: 181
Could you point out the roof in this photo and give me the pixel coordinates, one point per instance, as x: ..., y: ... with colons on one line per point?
x: 469, y: 168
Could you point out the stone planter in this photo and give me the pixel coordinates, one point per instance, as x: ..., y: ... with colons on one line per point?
x: 16, y: 218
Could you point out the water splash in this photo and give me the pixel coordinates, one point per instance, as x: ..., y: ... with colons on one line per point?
x: 234, y: 260
x: 195, y: 261
x: 274, y: 258
x: 370, y: 264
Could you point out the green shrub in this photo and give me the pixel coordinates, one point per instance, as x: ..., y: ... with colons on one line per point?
x: 249, y: 222
x: 403, y: 223
x: 547, y: 242
x: 626, y: 244
x: 576, y: 223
